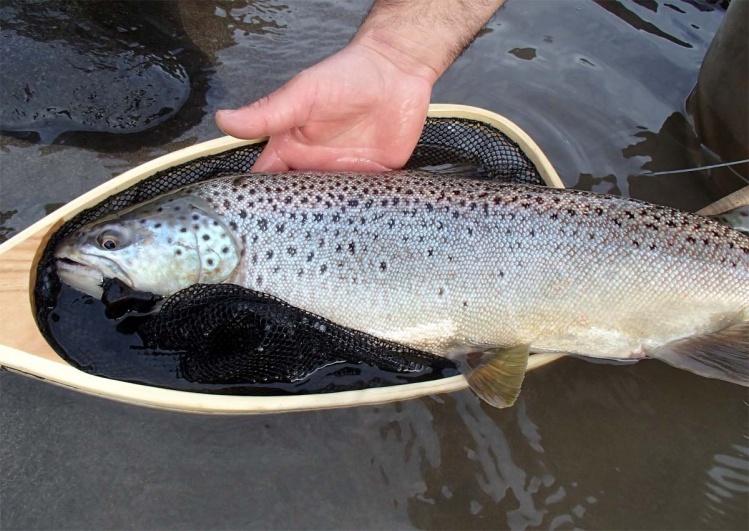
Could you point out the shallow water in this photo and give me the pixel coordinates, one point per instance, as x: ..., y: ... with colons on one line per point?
x: 602, y: 90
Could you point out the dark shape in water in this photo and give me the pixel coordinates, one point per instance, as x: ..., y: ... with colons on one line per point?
x: 4, y: 229
x: 524, y: 53
x: 617, y: 8
x: 119, y: 73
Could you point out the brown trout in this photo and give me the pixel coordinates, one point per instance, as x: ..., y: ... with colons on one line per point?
x: 478, y: 271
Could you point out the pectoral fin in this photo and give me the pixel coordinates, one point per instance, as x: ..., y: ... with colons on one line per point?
x: 496, y: 375
x: 723, y: 355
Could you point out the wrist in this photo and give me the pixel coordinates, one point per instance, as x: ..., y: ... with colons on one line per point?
x: 409, y: 53
x: 423, y: 37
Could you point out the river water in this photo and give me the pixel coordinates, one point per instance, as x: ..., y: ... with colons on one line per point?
x: 600, y: 86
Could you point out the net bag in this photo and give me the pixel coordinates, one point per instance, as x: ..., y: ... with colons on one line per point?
x: 229, y: 339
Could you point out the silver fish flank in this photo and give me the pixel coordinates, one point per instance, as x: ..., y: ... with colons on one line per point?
x: 475, y: 270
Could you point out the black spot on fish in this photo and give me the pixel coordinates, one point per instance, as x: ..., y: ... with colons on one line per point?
x: 280, y: 228
x: 157, y: 226
x: 383, y: 266
x: 206, y: 237
x: 441, y: 292
x: 240, y: 197
x: 210, y: 261
x: 269, y: 254
x: 224, y: 250
x: 233, y: 225
x: 183, y: 229
x: 259, y: 280
x: 178, y: 252
x: 262, y: 224
x: 351, y: 248
x: 291, y: 251
x: 254, y: 258
x: 195, y: 217
x: 243, y: 214
x: 323, y: 268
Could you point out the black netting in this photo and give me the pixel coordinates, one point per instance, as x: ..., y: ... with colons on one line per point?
x: 236, y: 335
x: 233, y: 340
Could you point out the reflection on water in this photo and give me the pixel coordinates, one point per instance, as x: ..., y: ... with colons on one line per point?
x: 630, y: 17
x: 100, y: 67
x: 727, y: 487
x: 601, y: 87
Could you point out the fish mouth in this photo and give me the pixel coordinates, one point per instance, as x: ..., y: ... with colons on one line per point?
x: 87, y: 276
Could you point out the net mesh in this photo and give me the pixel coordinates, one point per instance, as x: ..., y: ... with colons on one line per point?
x: 228, y: 339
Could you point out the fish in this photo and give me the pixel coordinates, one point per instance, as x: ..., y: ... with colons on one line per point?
x: 478, y: 271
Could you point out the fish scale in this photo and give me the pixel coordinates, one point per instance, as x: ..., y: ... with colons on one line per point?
x: 448, y: 264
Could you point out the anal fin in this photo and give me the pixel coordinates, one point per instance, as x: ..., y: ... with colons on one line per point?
x: 496, y: 374
x: 723, y: 355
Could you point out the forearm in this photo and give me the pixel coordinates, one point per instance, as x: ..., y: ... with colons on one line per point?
x: 424, y: 37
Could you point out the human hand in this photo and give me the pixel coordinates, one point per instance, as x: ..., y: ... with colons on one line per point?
x: 355, y: 110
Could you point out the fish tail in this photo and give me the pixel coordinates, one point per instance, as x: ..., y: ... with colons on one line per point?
x: 723, y: 355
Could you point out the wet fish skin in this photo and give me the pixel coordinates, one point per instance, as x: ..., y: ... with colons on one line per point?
x: 456, y: 266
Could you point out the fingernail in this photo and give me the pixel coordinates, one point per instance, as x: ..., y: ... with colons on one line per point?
x: 227, y: 111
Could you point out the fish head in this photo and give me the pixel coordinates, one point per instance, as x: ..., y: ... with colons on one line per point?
x: 161, y: 247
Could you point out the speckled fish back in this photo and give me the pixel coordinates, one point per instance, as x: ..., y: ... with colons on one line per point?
x: 453, y: 264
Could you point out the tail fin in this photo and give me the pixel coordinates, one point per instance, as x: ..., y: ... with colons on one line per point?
x: 723, y: 355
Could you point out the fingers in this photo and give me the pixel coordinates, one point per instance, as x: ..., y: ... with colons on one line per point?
x: 268, y: 116
x: 269, y: 161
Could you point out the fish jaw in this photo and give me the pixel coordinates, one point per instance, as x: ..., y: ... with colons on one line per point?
x: 88, y: 275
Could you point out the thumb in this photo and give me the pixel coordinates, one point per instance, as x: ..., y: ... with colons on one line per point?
x: 268, y: 116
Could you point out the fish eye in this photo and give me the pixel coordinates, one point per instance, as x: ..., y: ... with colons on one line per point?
x: 109, y: 240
